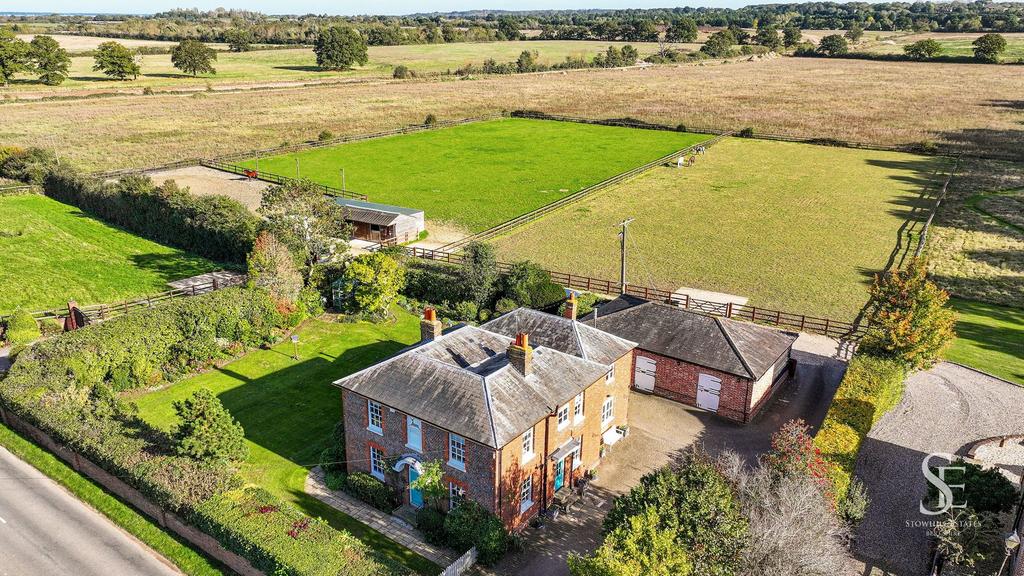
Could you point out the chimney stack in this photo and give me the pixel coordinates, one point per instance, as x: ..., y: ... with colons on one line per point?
x: 520, y: 355
x: 570, y: 307
x: 430, y: 326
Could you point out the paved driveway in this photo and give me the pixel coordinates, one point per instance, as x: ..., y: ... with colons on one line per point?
x: 945, y: 409
x: 660, y: 430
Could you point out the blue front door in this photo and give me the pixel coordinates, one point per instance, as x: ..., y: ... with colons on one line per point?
x: 559, y: 474
x: 415, y: 496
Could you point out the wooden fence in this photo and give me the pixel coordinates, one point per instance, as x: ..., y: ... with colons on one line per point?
x: 99, y: 312
x: 518, y: 221
x: 923, y: 237
x: 278, y: 179
x: 838, y: 329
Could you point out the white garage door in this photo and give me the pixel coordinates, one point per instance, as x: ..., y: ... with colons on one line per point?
x: 643, y: 376
x: 709, y: 389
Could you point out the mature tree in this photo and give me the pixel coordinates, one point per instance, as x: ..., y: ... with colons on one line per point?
x: 239, y: 39
x: 508, y: 28
x: 207, y: 431
x: 791, y: 36
x: 988, y: 47
x: 527, y: 284
x: 15, y: 56
x: 908, y: 318
x: 272, y: 267
x: 193, y: 57
x: 479, y: 272
x: 116, y: 61
x: 50, y: 61
x: 641, y: 547
x: 740, y: 35
x: 792, y: 527
x: 682, y: 30
x: 923, y: 49
x: 370, y: 284
x: 855, y: 33
x: 719, y: 44
x: 697, y: 504
x: 339, y: 48
x: 833, y: 45
x: 768, y: 36
x: 310, y: 223
x: 527, y: 61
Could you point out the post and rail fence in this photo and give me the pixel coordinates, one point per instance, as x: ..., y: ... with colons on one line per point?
x: 839, y: 329
x: 100, y: 312
x: 277, y: 178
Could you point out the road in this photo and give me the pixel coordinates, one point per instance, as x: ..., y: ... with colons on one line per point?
x: 45, y: 530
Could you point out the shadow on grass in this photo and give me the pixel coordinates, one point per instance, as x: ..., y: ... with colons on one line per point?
x: 306, y: 69
x: 170, y: 266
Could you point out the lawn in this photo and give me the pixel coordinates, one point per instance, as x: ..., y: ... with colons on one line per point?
x: 795, y: 227
x: 299, y: 64
x: 289, y: 409
x: 53, y: 253
x: 990, y: 338
x: 481, y: 174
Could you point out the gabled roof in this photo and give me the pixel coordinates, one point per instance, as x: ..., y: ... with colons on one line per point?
x: 374, y: 213
x: 740, y: 348
x: 463, y: 382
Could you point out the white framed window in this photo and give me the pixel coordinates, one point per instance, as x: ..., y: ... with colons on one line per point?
x: 609, y: 376
x: 374, y: 417
x: 414, y: 433
x: 563, y: 416
x: 576, y: 454
x: 377, y: 463
x: 457, y: 451
x: 456, y: 494
x: 528, y: 446
x: 608, y: 410
x: 526, y: 494
x: 577, y: 408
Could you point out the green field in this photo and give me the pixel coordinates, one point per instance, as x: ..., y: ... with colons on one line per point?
x: 990, y: 338
x: 53, y: 253
x: 481, y: 174
x: 953, y: 44
x: 299, y: 64
x: 795, y: 227
x: 289, y: 408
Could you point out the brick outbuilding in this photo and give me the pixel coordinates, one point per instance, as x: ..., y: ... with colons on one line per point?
x: 516, y: 410
x: 724, y: 366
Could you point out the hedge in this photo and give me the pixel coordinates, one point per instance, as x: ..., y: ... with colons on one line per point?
x: 64, y: 387
x: 372, y: 491
x: 216, y: 227
x: 871, y: 387
x: 20, y: 330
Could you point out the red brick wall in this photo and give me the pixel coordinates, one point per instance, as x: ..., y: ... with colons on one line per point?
x: 677, y: 380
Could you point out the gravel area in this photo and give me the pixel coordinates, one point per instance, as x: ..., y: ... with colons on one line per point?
x: 203, y: 181
x: 945, y: 409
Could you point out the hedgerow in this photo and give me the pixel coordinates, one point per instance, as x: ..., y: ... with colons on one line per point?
x: 871, y: 387
x: 216, y: 227
x: 67, y: 386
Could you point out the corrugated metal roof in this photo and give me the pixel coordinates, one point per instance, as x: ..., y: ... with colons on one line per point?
x: 350, y: 203
x: 463, y: 381
x: 734, y: 347
x: 371, y: 216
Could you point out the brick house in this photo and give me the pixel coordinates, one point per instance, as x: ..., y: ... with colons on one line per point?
x: 517, y: 410
x: 724, y: 366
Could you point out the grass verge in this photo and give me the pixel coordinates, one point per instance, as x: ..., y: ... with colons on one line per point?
x: 990, y: 338
x: 129, y: 519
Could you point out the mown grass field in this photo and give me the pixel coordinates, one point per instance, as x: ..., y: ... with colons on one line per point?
x: 481, y: 174
x: 289, y: 409
x: 53, y: 253
x: 299, y: 64
x: 953, y: 44
x: 989, y: 338
x: 883, y: 102
x: 795, y: 227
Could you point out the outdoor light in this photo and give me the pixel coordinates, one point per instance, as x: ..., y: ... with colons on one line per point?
x: 1012, y: 542
x: 295, y: 346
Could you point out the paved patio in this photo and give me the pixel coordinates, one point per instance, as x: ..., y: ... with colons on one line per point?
x: 394, y: 528
x: 660, y: 430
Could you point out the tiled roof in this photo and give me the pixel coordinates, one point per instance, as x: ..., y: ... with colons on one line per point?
x: 739, y: 348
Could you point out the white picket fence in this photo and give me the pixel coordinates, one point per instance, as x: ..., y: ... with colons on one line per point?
x: 459, y: 567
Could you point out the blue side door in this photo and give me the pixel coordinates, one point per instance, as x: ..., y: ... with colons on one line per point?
x: 415, y: 496
x: 559, y: 474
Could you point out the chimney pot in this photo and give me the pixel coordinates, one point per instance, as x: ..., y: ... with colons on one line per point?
x: 430, y: 326
x: 520, y: 354
x: 571, y: 306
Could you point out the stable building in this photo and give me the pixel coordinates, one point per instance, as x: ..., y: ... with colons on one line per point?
x: 720, y: 365
x: 382, y: 222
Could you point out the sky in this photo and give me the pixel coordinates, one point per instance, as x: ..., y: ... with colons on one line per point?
x: 346, y: 7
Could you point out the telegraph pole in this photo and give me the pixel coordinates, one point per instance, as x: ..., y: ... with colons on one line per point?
x: 622, y: 247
